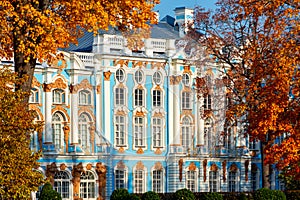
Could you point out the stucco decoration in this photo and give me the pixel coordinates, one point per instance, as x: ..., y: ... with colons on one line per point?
x: 59, y: 83
x: 246, y: 169
x: 214, y: 167
x: 121, y: 165
x: 187, y: 70
x: 204, y: 169
x: 139, y: 114
x: 158, y: 151
x: 35, y: 82
x: 157, y: 65
x: 98, y: 89
x: 92, y: 136
x: 107, y: 75
x: 140, y: 165
x: 139, y: 64
x: 158, y: 166
x: 101, y: 171
x: 62, y: 110
x: 224, y: 163
x: 50, y: 172
x: 122, y: 63
x: 180, y: 164
x: 59, y: 62
x: 66, y: 130
x: 63, y: 166
x: 175, y: 80
x: 76, y: 173
x: 140, y: 151
x: 89, y: 166
x: 121, y: 150
x: 47, y: 87
x: 233, y: 168
x: 192, y: 166
x: 84, y: 84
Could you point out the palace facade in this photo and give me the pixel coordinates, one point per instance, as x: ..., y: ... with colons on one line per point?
x: 143, y: 120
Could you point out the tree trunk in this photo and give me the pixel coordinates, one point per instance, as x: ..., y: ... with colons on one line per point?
x: 265, y: 168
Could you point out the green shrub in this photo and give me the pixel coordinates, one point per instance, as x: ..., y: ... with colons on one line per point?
x: 267, y: 194
x: 184, y: 194
x: 293, y: 194
x: 213, y: 196
x: 243, y: 196
x: 120, y: 194
x: 48, y: 193
x: 150, y: 195
x: 134, y: 197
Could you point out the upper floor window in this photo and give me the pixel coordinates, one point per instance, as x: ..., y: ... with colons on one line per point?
x: 120, y: 96
x: 157, y: 78
x: 208, y: 134
x: 57, y: 129
x: 253, y: 144
x: 157, y: 132
x: 156, y: 98
x: 228, y: 140
x: 84, y: 97
x: 186, y: 100
x: 191, y: 180
x: 120, y: 75
x: 138, y: 76
x: 186, y: 79
x: 84, y: 136
x: 186, y: 138
x: 157, y: 181
x: 59, y: 96
x: 34, y: 96
x: 138, y: 97
x: 139, y: 132
x: 120, y: 130
x: 207, y: 102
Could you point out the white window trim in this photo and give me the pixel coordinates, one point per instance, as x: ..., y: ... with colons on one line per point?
x: 124, y: 74
x: 144, y: 182
x: 218, y: 181
x: 125, y: 176
x: 186, y: 105
x: 144, y: 146
x: 237, y: 188
x: 125, y: 146
x: 161, y: 78
x: 190, y: 134
x: 96, y: 184
x: 162, y: 134
x: 62, y: 145
x: 70, y: 185
x: 63, y: 92
x: 144, y: 94
x: 125, y: 96
x: 162, y: 179
x: 39, y: 96
x: 91, y: 99
x: 195, y: 181
x: 89, y: 120
x: 143, y: 76
x: 257, y: 177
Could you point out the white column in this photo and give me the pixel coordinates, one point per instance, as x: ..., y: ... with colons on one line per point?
x: 107, y: 106
x: 171, y: 114
x: 200, y: 127
x: 176, y: 110
x: 48, y: 117
x: 74, y: 117
x: 98, y: 114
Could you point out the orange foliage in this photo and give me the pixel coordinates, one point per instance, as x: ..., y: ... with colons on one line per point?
x: 257, y: 44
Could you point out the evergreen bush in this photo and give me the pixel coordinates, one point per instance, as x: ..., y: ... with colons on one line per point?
x: 267, y: 194
x: 184, y: 194
x: 134, y: 197
x: 120, y: 194
x: 213, y: 196
x: 150, y: 195
x: 48, y: 193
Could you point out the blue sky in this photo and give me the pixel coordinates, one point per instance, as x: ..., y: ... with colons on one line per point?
x: 166, y: 7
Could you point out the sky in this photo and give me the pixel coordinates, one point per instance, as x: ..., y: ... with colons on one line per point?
x: 166, y: 7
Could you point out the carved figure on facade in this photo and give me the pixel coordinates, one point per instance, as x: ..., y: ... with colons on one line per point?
x: 180, y: 164
x: 224, y: 163
x: 92, y: 136
x: 50, y: 172
x: 76, y: 173
x: 63, y: 166
x: 47, y: 87
x: 66, y: 130
x: 187, y: 69
x: 204, y: 169
x: 101, y: 171
x: 214, y: 167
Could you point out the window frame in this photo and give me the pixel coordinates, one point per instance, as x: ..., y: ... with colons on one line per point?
x: 141, y: 181
x: 214, y: 182
x: 139, y: 76
x: 139, y: 132
x: 233, y: 181
x: 186, y: 79
x: 157, y: 183
x: 84, y: 143
x: 59, y: 96
x: 157, y: 98
x: 85, y: 95
x: 58, y: 142
x: 207, y: 102
x: 117, y: 132
x: 88, y: 184
x: 186, y: 133
x: 139, y: 97
x: 191, y: 181
x: 59, y: 189
x: 160, y: 127
x: 120, y: 75
x: 157, y: 78
x: 120, y: 96
x: 186, y: 100
x: 34, y: 95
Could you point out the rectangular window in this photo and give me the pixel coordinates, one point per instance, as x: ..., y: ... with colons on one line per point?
x: 157, y: 98
x: 120, y: 131
x: 252, y: 144
x: 138, y: 97
x: 157, y: 181
x: 254, y: 180
x: 232, y: 182
x: 207, y: 102
x: 139, y: 181
x: 213, y: 181
x: 191, y: 180
x: 120, y: 96
x: 186, y: 100
x: 157, y: 132
x: 56, y: 133
x: 139, y: 132
x: 120, y: 176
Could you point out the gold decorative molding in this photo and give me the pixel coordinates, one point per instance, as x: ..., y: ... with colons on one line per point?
x: 121, y: 150
x: 187, y: 69
x: 204, y: 169
x: 47, y: 87
x: 157, y: 87
x: 98, y: 89
x: 107, y: 75
x: 233, y: 168
x: 224, y: 163
x: 158, y: 166
x: 101, y: 172
x: 175, y: 80
x: 158, y: 151
x: 158, y: 114
x: 61, y: 109
x: 187, y: 89
x: 89, y: 166
x: 84, y: 84
x: 92, y: 135
x: 140, y: 166
x: 139, y: 64
x: 85, y: 109
x: 140, y: 151
x: 55, y: 62
x: 139, y: 114
x: 63, y: 166
x: 66, y: 130
x: 140, y: 87
x: 120, y: 112
x: 35, y: 82
x: 121, y: 62
x: 120, y: 85
x: 214, y: 167
x: 121, y: 165
x: 59, y: 83
x: 187, y: 112
x: 157, y: 65
x: 37, y: 110
x: 76, y: 173
x: 192, y: 166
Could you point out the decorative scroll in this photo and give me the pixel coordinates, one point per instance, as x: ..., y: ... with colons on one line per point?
x: 66, y: 130
x: 246, y: 169
x: 214, y: 167
x: 35, y: 82
x: 224, y: 170
x: 89, y: 166
x: 204, y: 169
x: 98, y: 89
x: 121, y: 150
x: 175, y: 80
x: 192, y: 166
x: 63, y: 166
x: 121, y: 62
x: 180, y: 163
x: 140, y: 151
x: 50, y: 172
x: 106, y: 75
x: 187, y: 69
x: 121, y: 165
x: 59, y: 62
x: 58, y: 83
x: 140, y: 166
x: 101, y: 171
x: 84, y: 84
x: 76, y: 173
x: 61, y: 109
x: 139, y: 114
x: 158, y: 151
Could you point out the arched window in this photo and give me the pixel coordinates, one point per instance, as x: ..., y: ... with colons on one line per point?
x: 138, y: 97
x: 57, y: 129
x: 138, y: 76
x: 85, y: 97
x: 59, y: 96
x: 83, y: 133
x: 120, y: 75
x: 186, y: 133
x: 62, y: 184
x: 157, y: 181
x: 34, y: 96
x: 191, y: 180
x: 186, y: 79
x: 87, y: 185
x: 157, y: 132
x: 120, y: 178
x: 157, y: 78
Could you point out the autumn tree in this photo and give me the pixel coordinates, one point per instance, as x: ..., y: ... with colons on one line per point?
x: 256, y: 44
x: 17, y: 163
x: 32, y: 30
